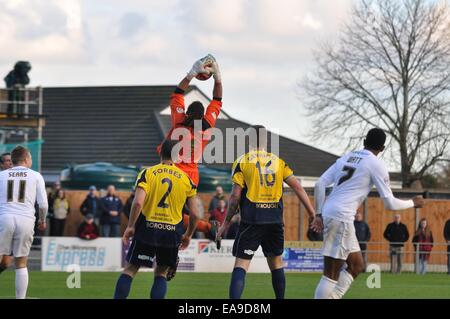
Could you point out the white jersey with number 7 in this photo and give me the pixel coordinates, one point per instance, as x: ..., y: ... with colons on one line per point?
x: 353, y: 176
x: 20, y: 188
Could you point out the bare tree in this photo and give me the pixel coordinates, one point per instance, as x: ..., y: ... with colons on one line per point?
x: 389, y: 68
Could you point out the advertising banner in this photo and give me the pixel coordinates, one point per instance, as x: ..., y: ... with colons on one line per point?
x: 303, y: 256
x: 102, y: 254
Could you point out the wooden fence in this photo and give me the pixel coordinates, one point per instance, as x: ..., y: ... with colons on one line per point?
x: 437, y: 213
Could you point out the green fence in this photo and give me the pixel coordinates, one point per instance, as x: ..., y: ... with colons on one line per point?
x: 33, y: 146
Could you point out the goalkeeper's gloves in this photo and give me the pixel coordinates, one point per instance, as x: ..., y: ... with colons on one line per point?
x: 214, y: 68
x: 200, y: 67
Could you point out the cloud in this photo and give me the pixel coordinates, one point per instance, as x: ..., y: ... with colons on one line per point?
x: 49, y: 31
x: 263, y: 46
x: 131, y: 24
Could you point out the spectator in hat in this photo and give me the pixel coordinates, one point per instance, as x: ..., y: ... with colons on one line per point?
x: 88, y: 229
x: 92, y: 204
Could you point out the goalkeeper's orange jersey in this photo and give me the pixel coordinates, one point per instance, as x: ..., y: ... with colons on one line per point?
x: 189, y: 162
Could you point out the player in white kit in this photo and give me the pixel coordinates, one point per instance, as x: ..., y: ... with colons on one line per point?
x: 20, y: 188
x: 352, y: 176
x: 5, y: 163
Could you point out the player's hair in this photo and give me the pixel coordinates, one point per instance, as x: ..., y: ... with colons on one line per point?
x: 19, y: 154
x: 375, y: 139
x: 166, y: 149
x: 260, y: 140
x: 3, y: 155
x: 196, y: 110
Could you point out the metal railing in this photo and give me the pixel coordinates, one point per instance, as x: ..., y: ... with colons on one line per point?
x: 408, y: 257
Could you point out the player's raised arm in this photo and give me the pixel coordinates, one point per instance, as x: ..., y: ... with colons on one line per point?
x: 213, y: 109
x: 380, y: 177
x: 293, y: 183
x: 217, y: 90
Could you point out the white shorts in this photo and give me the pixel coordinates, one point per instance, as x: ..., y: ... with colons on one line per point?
x: 16, y: 235
x: 339, y: 239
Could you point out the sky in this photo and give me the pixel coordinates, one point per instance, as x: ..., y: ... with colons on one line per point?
x: 264, y: 48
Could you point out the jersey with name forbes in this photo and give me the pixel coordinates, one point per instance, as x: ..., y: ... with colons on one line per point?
x: 167, y: 188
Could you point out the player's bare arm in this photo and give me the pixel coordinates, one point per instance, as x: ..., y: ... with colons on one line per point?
x: 41, y: 197
x: 233, y: 206
x: 193, y: 217
x: 293, y: 183
x: 217, y: 90
x: 42, y: 224
x: 136, y: 208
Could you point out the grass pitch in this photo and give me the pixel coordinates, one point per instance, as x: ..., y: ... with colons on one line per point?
x: 215, y: 286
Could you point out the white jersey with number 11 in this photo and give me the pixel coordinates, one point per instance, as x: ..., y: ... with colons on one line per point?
x: 20, y: 188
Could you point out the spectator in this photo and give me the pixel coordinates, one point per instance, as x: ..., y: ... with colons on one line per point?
x: 5, y: 161
x: 92, y: 205
x: 51, y: 198
x: 362, y: 234
x: 447, y: 238
x: 313, y: 235
x: 396, y: 233
x: 219, y: 213
x: 219, y: 195
x: 111, y: 209
x: 60, y: 211
x: 423, y: 241
x: 127, y: 206
x: 233, y: 228
x: 88, y: 229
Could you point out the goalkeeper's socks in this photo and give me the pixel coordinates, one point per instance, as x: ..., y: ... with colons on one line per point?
x: 278, y: 283
x: 159, y: 288
x: 123, y: 286
x: 344, y: 282
x: 237, y: 283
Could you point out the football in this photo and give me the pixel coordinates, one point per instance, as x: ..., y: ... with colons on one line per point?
x: 203, y: 76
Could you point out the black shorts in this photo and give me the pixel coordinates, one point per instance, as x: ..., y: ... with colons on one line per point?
x: 251, y: 236
x: 142, y: 254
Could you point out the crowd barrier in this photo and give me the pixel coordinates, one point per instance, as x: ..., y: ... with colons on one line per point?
x: 108, y: 254
x: 202, y: 255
